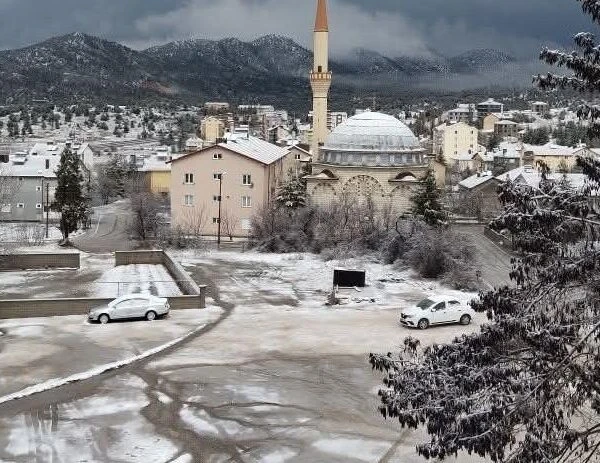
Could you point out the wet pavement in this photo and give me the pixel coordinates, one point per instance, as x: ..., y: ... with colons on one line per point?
x: 276, y: 377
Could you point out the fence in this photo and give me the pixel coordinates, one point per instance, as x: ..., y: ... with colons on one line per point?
x: 503, y: 241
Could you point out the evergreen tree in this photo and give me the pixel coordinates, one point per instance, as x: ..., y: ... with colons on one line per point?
x: 69, y: 198
x: 526, y: 387
x: 427, y: 203
x: 292, y: 192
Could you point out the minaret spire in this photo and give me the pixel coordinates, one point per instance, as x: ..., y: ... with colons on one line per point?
x: 321, y: 23
x: 320, y: 78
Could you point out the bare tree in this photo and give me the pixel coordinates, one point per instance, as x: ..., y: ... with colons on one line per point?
x: 228, y: 223
x: 146, y: 208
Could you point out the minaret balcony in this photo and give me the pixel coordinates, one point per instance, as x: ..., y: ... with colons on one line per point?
x: 314, y: 75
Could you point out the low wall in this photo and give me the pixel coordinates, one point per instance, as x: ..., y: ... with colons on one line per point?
x: 39, y: 261
x: 501, y: 240
x: 32, y: 308
x: 154, y: 257
x: 194, y: 295
x: 159, y: 257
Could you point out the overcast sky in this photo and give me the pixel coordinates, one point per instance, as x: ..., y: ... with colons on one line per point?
x: 396, y: 27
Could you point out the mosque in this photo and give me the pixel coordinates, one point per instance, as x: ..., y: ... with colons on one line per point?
x: 371, y: 155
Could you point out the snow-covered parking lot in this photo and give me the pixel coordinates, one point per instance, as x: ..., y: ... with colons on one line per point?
x: 279, y: 377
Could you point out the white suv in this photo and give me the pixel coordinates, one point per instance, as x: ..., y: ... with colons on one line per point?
x: 437, y: 310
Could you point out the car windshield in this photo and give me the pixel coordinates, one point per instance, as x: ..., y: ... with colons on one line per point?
x: 425, y: 304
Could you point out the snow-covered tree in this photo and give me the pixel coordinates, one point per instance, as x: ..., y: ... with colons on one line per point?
x: 427, y: 204
x: 526, y: 388
x: 69, y: 198
x: 292, y: 192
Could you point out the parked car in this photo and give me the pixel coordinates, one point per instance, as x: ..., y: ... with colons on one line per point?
x: 131, y: 306
x: 437, y: 310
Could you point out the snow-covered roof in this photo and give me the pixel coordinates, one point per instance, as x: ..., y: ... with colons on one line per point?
x: 551, y: 149
x: 24, y: 165
x: 505, y: 122
x: 475, y: 180
x: 254, y: 148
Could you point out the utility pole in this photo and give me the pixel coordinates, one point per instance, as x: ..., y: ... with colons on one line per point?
x: 47, y: 206
x: 220, y: 201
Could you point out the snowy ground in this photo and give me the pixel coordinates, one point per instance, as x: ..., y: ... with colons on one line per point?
x: 27, y: 233
x: 279, y: 377
x: 35, y: 350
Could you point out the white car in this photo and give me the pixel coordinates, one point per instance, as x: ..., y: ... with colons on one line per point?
x: 131, y: 306
x: 437, y: 310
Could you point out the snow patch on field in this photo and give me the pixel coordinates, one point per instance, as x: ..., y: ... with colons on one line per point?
x: 136, y: 278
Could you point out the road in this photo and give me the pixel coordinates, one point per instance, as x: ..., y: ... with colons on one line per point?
x: 109, y: 231
x: 492, y: 260
x: 277, y: 377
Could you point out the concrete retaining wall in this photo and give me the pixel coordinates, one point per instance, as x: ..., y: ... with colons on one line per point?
x: 154, y: 257
x: 501, y: 240
x: 194, y: 295
x: 39, y: 261
x: 31, y: 308
x: 159, y: 257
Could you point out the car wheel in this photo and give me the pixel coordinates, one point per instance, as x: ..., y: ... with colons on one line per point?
x: 151, y: 315
x: 465, y: 319
x: 104, y: 319
x: 423, y: 324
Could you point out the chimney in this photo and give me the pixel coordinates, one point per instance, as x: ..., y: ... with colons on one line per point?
x: 47, y: 163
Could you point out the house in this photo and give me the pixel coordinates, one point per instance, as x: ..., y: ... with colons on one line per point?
x: 557, y: 158
x: 506, y: 129
x: 156, y: 171
x: 212, y: 129
x: 216, y: 106
x: 540, y: 108
x: 335, y: 118
x: 489, y: 122
x: 455, y: 140
x: 237, y: 176
x: 27, y: 183
x: 55, y: 149
x: 462, y: 113
x: 478, y: 196
x: 489, y: 106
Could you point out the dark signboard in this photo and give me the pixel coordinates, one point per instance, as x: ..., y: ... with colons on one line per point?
x: 349, y: 278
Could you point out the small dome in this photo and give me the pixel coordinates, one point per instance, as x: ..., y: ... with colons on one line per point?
x: 372, y: 131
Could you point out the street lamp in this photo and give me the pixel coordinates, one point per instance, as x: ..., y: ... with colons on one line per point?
x: 220, y: 198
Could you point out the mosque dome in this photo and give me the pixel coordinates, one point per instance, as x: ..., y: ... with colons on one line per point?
x: 372, y: 139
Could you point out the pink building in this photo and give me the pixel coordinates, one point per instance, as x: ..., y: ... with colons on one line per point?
x: 246, y: 169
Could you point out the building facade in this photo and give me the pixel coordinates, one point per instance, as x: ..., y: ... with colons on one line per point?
x: 211, y: 129
x: 27, y: 185
x: 454, y: 141
x: 372, y: 156
x: 489, y: 106
x: 240, y: 175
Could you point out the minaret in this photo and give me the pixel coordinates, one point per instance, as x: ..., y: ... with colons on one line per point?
x: 320, y: 77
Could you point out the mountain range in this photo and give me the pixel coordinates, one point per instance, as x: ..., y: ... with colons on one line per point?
x: 272, y: 68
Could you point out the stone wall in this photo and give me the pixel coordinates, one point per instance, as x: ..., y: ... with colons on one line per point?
x: 39, y: 261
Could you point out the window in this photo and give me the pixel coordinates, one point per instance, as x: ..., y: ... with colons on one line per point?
x: 38, y: 188
x: 189, y: 179
x: 246, y: 179
x: 246, y: 201
x: 217, y: 176
x: 38, y: 206
x: 453, y: 303
x: 188, y: 200
x: 20, y: 206
x: 297, y: 157
x: 217, y: 156
x: 319, y: 68
x: 246, y: 224
x: 216, y: 198
x: 216, y: 220
x: 440, y: 306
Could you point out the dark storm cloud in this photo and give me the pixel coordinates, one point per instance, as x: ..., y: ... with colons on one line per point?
x: 519, y: 27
